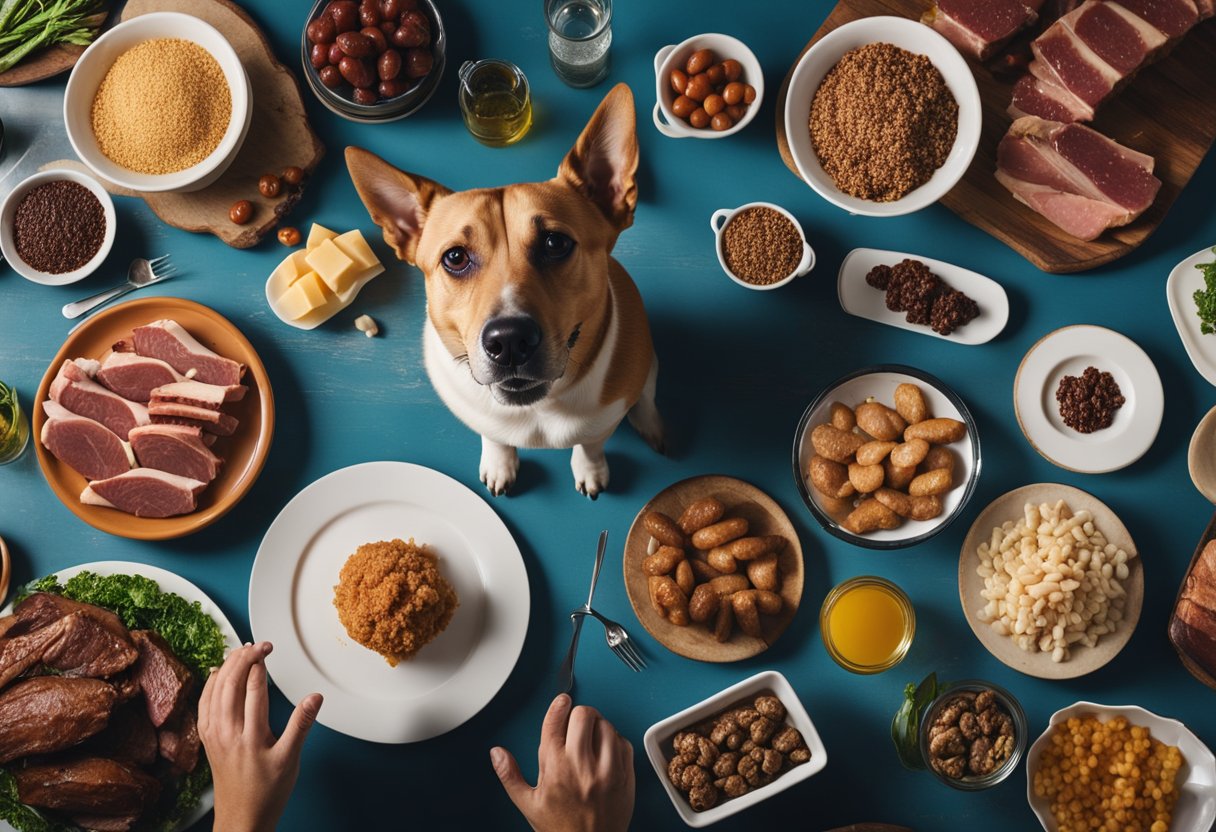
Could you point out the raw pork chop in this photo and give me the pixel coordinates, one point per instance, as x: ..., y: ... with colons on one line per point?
x: 73, y: 389
x: 51, y: 713
x: 165, y: 681
x: 218, y: 424
x: 1064, y: 59
x: 87, y: 446
x: 171, y: 343
x: 145, y: 492
x: 1075, y: 176
x: 177, y: 449
x: 134, y: 376
x: 980, y: 27
x: 199, y: 394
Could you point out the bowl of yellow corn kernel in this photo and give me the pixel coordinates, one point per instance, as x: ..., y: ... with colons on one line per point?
x: 1108, y: 767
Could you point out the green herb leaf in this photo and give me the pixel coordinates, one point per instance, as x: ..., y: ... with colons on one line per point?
x: 21, y: 817
x: 1205, y: 299
x: 905, y: 726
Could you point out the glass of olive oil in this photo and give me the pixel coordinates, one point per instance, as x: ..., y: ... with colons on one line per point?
x: 867, y: 624
x: 14, y: 427
x: 495, y: 101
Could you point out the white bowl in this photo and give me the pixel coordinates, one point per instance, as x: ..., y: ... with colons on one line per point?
x: 671, y: 57
x: 8, y: 211
x: 658, y: 744
x: 1196, y: 807
x: 722, y: 217
x: 96, y: 61
x: 906, y: 34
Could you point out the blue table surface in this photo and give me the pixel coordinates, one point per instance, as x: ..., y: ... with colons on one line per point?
x: 738, y: 368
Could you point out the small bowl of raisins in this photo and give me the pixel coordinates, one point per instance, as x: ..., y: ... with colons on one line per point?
x: 373, y: 60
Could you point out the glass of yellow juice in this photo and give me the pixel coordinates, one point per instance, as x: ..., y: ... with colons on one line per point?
x: 867, y: 624
x: 14, y: 427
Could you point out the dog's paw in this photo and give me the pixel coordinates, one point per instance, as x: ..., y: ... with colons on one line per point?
x: 590, y: 472
x: 499, y: 467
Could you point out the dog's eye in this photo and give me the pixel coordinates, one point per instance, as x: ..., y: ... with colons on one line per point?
x: 456, y: 260
x: 556, y: 246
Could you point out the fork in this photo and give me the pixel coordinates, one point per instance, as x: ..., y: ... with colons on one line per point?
x: 618, y: 639
x: 141, y: 273
x: 565, y: 675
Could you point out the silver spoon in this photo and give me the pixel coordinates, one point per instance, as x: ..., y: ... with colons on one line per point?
x: 140, y: 274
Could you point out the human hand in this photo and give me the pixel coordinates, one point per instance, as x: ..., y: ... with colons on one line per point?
x: 253, y: 772
x: 585, y: 782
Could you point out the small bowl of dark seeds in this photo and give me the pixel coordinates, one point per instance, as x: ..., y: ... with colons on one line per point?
x: 761, y: 245
x: 973, y: 735
x: 56, y: 227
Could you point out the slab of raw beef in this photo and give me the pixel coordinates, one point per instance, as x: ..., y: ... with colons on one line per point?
x: 177, y: 449
x: 170, y: 342
x: 145, y: 492
x: 87, y: 446
x: 80, y: 394
x: 211, y: 421
x: 1076, y: 177
x: 980, y: 27
x: 135, y: 376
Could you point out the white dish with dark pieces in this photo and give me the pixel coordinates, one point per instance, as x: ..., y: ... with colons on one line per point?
x: 1195, y: 810
x: 880, y: 383
x: 906, y: 34
x: 864, y: 301
x: 8, y: 213
x: 1184, y: 281
x: 657, y: 743
x: 720, y: 219
x: 675, y: 56
x: 1068, y: 352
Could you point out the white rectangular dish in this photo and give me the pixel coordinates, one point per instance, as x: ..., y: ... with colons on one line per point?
x: 864, y: 301
x: 658, y: 745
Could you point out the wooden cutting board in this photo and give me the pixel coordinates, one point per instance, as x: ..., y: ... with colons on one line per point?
x: 1168, y: 111
x: 279, y: 134
x: 46, y: 63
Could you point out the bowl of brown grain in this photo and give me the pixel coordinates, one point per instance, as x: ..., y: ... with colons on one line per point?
x: 159, y: 103
x: 761, y: 245
x: 882, y: 116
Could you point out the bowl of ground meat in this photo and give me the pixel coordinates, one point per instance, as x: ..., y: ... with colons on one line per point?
x: 882, y: 116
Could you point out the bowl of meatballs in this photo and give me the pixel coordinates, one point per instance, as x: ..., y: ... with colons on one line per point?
x: 373, y: 60
x: 735, y: 749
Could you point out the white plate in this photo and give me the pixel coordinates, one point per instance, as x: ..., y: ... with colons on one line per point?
x: 880, y: 382
x: 168, y: 582
x: 291, y: 593
x: 913, y: 36
x: 861, y: 299
x: 8, y: 213
x: 1183, y: 282
x: 1196, y: 807
x: 1068, y: 352
x: 658, y: 744
x: 321, y: 314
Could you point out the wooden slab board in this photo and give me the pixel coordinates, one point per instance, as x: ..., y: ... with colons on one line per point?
x: 46, y: 63
x: 279, y: 134
x: 1168, y: 111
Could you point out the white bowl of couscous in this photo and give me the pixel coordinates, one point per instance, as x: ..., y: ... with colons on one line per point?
x: 1195, y: 782
x: 159, y: 103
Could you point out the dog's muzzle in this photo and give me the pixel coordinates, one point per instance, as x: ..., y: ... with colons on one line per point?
x: 512, y: 350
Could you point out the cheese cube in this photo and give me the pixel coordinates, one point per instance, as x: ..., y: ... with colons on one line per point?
x: 335, y: 268
x: 317, y: 235
x: 288, y: 272
x: 304, y: 296
x: 356, y: 248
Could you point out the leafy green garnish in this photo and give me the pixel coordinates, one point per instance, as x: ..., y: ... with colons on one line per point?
x: 905, y: 727
x: 21, y: 817
x: 1205, y: 298
x: 29, y: 25
x: 194, y: 636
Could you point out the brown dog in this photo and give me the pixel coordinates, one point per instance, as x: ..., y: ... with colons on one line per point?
x: 535, y: 337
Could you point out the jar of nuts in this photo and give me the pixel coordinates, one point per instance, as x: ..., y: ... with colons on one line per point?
x: 973, y: 735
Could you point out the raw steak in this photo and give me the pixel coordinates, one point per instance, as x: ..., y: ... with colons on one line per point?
x: 176, y: 449
x: 81, y: 395
x: 171, y: 343
x: 134, y: 376
x: 145, y: 492
x: 87, y: 446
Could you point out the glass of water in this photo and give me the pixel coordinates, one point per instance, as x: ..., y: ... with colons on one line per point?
x: 580, y: 32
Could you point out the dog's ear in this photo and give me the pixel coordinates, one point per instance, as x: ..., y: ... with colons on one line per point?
x: 604, y: 161
x: 398, y: 201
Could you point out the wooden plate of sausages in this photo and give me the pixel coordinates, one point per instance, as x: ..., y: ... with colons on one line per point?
x: 769, y: 533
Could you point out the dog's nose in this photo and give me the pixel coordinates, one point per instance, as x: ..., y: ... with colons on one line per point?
x: 510, y: 342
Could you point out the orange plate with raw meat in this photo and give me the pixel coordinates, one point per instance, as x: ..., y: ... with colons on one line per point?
x: 243, y: 453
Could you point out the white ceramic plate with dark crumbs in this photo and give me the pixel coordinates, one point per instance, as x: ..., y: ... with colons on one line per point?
x: 1184, y: 281
x: 1069, y: 352
x: 859, y: 298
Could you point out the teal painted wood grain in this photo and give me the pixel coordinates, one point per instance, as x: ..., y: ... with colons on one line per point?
x: 737, y: 369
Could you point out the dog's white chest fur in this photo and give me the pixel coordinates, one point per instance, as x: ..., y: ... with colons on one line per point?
x: 571, y: 414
